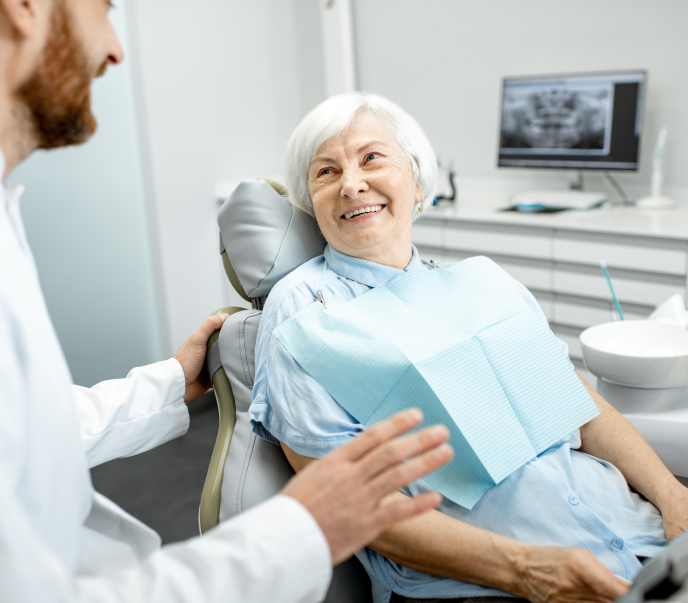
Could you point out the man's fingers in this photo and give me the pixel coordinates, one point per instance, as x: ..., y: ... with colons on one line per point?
x: 379, y: 434
x: 405, y: 473
x: 394, y: 452
x: 403, y: 509
x: 212, y: 324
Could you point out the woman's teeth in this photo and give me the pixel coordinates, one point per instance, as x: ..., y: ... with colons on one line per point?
x: 363, y: 210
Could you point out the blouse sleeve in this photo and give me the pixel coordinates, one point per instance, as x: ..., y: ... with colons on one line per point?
x: 288, y: 404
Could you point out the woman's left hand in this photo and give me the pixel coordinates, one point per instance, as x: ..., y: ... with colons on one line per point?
x: 675, y: 512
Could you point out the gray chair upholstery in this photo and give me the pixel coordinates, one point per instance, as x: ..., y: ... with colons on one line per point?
x: 265, y: 237
x: 262, y: 238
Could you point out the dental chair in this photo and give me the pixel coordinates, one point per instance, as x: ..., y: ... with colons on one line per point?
x: 262, y: 239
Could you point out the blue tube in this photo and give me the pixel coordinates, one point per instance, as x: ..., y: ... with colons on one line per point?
x: 609, y: 282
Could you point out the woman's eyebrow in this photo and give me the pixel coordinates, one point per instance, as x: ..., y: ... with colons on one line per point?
x: 370, y: 143
x: 323, y: 159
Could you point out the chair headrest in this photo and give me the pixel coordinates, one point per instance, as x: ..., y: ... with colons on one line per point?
x: 264, y: 237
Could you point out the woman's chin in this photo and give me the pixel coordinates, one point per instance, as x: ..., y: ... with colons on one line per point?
x: 360, y: 244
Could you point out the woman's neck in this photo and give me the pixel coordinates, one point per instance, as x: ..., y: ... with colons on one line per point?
x: 399, y: 258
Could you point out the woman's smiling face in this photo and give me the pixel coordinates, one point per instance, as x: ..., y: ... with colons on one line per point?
x: 363, y: 190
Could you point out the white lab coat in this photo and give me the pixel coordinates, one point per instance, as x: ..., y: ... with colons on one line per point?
x: 60, y: 541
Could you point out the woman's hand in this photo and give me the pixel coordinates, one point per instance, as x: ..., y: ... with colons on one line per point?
x: 548, y: 574
x: 674, y: 509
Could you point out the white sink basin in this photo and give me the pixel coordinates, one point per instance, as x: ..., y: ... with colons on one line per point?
x: 637, y: 353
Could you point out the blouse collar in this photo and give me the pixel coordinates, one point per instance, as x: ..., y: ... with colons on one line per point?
x: 366, y: 272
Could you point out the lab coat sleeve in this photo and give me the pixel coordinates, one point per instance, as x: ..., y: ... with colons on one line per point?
x: 124, y: 417
x: 273, y: 553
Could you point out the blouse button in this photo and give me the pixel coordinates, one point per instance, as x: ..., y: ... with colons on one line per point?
x: 573, y: 500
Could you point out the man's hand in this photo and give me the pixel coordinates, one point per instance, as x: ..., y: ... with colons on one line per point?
x: 191, y: 356
x: 344, y: 489
x: 549, y: 574
x: 674, y: 509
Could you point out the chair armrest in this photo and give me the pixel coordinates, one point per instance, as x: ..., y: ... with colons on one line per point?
x: 209, y: 509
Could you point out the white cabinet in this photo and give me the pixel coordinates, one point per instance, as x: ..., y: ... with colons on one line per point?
x: 429, y: 234
x: 627, y: 290
x: 533, y: 277
x: 561, y: 265
x: 583, y: 316
x: 634, y: 257
x: 488, y: 242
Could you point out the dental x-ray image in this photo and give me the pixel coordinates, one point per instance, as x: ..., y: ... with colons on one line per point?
x: 557, y: 118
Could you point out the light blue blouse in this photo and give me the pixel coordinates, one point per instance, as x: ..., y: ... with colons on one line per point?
x: 563, y: 497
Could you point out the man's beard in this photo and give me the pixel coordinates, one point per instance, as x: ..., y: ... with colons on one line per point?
x: 58, y: 95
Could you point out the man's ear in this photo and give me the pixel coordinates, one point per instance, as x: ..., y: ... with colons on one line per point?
x: 21, y: 15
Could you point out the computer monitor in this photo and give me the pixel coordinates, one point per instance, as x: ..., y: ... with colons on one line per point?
x: 572, y: 121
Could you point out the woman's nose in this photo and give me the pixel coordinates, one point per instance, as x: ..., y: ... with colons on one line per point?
x: 353, y: 183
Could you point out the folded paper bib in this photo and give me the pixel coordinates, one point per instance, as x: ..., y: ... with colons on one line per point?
x: 462, y: 345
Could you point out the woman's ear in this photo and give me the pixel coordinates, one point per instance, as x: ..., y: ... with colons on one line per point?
x: 22, y: 15
x: 419, y: 194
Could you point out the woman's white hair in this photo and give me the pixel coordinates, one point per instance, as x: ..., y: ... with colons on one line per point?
x: 336, y: 114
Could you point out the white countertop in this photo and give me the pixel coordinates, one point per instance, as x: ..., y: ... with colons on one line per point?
x: 480, y: 201
x: 670, y: 224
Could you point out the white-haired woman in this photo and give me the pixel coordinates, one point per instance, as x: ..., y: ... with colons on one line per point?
x: 563, y: 527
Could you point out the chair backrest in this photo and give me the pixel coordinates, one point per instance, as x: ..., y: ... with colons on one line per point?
x: 262, y: 238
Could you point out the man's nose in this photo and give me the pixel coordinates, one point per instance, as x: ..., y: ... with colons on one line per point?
x: 115, y: 51
x: 353, y: 183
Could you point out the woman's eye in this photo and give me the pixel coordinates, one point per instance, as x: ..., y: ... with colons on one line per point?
x: 325, y: 171
x: 371, y: 156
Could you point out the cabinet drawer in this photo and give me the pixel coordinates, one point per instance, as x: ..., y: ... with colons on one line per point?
x: 627, y: 290
x: 428, y: 234
x: 547, y: 306
x: 576, y: 315
x: 530, y: 276
x: 621, y: 256
x: 505, y: 243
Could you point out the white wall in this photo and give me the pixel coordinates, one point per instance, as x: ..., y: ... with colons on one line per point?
x: 86, y: 220
x: 222, y: 85
x: 443, y: 60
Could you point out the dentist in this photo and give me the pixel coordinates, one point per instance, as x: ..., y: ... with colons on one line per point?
x: 60, y: 541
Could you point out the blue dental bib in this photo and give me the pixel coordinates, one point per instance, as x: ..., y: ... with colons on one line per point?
x: 462, y: 345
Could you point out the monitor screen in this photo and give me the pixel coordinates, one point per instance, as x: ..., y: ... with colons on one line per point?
x: 572, y: 121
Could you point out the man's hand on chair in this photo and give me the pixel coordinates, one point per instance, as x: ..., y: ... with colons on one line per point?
x: 191, y: 356
x: 344, y: 489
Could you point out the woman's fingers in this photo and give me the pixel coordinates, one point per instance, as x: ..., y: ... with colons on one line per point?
x: 402, y: 474
x: 378, y: 434
x: 560, y: 575
x: 392, y: 453
x: 606, y: 585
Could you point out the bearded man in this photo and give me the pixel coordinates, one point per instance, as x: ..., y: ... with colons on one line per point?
x: 60, y: 540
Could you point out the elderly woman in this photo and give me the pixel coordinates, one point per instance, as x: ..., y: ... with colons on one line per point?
x: 565, y: 526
